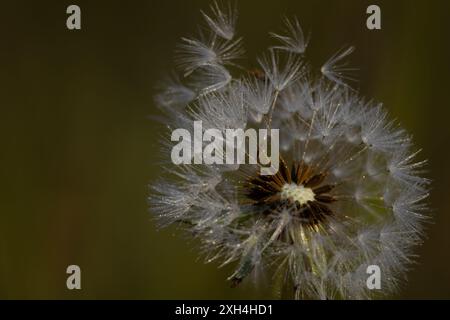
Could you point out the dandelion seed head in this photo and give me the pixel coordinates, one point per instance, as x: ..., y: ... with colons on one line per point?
x: 349, y: 192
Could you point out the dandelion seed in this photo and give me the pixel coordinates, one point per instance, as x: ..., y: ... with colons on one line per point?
x: 221, y: 110
x: 279, y: 75
x: 402, y: 167
x: 222, y: 20
x: 259, y: 95
x: 294, y: 41
x: 195, y: 53
x: 336, y: 71
x: 210, y: 78
x: 349, y: 192
x: 174, y: 94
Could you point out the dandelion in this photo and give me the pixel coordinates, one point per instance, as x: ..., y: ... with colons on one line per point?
x: 348, y: 193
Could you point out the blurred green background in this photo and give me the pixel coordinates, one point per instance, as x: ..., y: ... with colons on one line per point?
x: 78, y: 148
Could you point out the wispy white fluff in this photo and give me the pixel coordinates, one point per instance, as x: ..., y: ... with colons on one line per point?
x: 259, y: 95
x: 222, y: 20
x: 404, y: 168
x: 210, y: 78
x: 336, y: 70
x: 409, y: 208
x: 195, y: 53
x: 293, y: 40
x: 380, y: 133
x: 174, y: 94
x: 280, y: 75
x: 222, y: 110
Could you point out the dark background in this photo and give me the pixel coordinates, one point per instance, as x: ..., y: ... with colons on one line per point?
x: 78, y: 149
